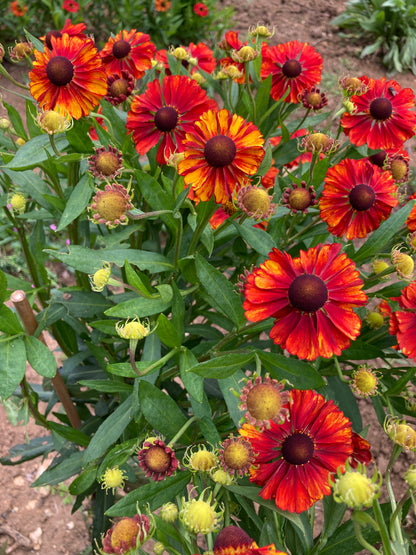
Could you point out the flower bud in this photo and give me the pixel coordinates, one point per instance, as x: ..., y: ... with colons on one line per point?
x: 356, y: 490
x: 132, y: 329
x: 400, y: 432
x: 169, y: 512
x: 375, y: 320
x: 179, y: 53
x: 365, y: 381
x: 113, y: 478
x: 379, y: 266
x: 410, y: 477
x: 20, y: 141
x: 319, y: 142
x: 5, y: 124
x: 17, y: 203
x: 159, y: 548
x: 20, y: 51
x: 261, y: 32
x: 2, y: 53
x: 198, y: 77
x: 53, y: 122
x: 403, y: 263
x: 231, y: 72
x: 199, y: 516
x: 244, y: 54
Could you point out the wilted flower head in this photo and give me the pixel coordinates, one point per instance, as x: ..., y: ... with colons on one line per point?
x: 319, y: 143
x: 263, y: 400
x: 364, y: 381
x: 352, y: 86
x: 106, y: 163
x: 126, y: 534
x: 236, y: 455
x: 298, y: 198
x: 113, y: 478
x: 260, y: 31
x: 399, y: 167
x: 20, y: 51
x: 110, y: 206
x: 313, y: 99
x: 244, y: 54
x: 54, y: 122
x: 157, y: 459
x: 233, y: 540
x: 355, y: 489
x: 403, y: 263
x: 255, y: 202
x: 200, y: 516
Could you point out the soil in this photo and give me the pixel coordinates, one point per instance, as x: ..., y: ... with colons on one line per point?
x: 40, y: 520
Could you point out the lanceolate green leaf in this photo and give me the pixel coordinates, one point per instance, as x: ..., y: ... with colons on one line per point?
x: 222, y: 366
x: 298, y: 373
x: 12, y: 366
x: 222, y: 294
x: 143, y: 307
x: 382, y: 236
x: 76, y: 203
x: 36, y: 151
x: 39, y: 356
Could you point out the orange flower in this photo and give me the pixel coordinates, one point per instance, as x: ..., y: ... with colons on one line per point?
x: 220, y: 152
x: 162, y: 5
x: 17, y: 9
x: 69, y: 78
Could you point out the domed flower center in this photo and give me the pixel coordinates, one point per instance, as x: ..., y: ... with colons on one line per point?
x: 59, y: 71
x: 56, y: 34
x: 157, y: 460
x: 300, y: 199
x: 121, y: 48
x: 362, y: 197
x: 237, y: 455
x: 220, y: 151
x: 308, y: 293
x: 297, y: 448
x: 125, y: 531
x: 291, y: 69
x: 166, y: 118
x: 381, y: 109
x: 264, y: 402
x: 119, y: 87
x: 314, y: 99
x: 107, y: 163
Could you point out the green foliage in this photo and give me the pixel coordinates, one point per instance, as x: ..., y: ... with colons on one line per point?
x: 386, y: 27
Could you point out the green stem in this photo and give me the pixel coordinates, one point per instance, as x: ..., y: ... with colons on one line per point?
x: 182, y: 430
x: 382, y: 528
x: 396, y: 514
x: 339, y: 371
x: 249, y: 91
x: 363, y: 542
x: 396, y: 523
x: 6, y: 74
x: 53, y: 145
x: 199, y: 229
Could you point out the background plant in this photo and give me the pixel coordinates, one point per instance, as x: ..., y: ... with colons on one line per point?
x: 385, y: 28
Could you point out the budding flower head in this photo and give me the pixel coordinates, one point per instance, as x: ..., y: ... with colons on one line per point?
x: 5, y: 124
x: 244, y: 54
x: 106, y: 163
x: 236, y: 455
x: 126, y: 534
x: 200, y: 458
x: 348, y: 106
x: 410, y: 477
x: 222, y: 477
x: 200, y: 516
x: 298, y: 198
x: 113, y: 478
x: 101, y: 278
x: 318, y: 143
x: 378, y: 266
x: 179, y: 53
x: 169, y: 512
x: 54, y: 122
x: 364, y: 381
x: 375, y: 319
x: 20, y: 141
x: 17, y: 202
x: 133, y: 329
x: 355, y: 489
x: 400, y: 432
x: 403, y: 263
x: 198, y: 77
x: 158, y: 548
x: 255, y: 202
x: 261, y: 32
x: 411, y: 240
x: 2, y: 53
x: 264, y: 400
x: 229, y: 72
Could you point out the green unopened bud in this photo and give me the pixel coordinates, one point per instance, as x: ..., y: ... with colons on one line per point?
x: 5, y: 124
x: 355, y: 489
x: 169, y: 512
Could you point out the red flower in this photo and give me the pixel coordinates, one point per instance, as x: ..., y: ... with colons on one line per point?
x: 233, y: 540
x: 70, y: 6
x: 69, y: 28
x: 200, y: 52
x: 382, y: 117
x: 294, y: 65
x: 166, y: 112
x: 69, y: 77
x: 357, y: 197
x: 201, y: 9
x: 411, y: 218
x: 17, y: 9
x: 232, y: 42
x: 311, y: 299
x: 361, y: 451
x: 403, y: 322
x: 295, y: 459
x: 129, y: 50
